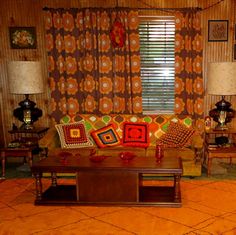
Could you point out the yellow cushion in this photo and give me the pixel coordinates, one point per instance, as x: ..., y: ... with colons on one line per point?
x: 50, y: 140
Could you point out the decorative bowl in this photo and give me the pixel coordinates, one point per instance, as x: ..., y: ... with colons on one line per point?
x: 64, y: 157
x: 127, y: 156
x: 97, y: 158
x: 77, y: 155
x: 65, y: 154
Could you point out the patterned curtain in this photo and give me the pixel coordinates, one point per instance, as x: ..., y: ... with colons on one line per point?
x: 93, y: 61
x: 189, y: 91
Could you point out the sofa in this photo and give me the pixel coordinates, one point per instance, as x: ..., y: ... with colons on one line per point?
x: 158, y: 126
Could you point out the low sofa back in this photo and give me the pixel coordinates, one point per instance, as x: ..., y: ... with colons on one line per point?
x: 158, y: 124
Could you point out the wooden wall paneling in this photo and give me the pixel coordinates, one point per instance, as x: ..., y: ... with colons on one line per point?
x: 30, y: 13
x: 21, y: 13
x: 217, y: 51
x: 2, y: 134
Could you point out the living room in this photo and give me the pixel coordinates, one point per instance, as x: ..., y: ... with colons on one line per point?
x: 26, y: 13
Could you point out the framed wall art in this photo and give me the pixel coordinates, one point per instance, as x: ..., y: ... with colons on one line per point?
x: 218, y: 30
x: 22, y: 37
x: 235, y: 32
x: 234, y: 52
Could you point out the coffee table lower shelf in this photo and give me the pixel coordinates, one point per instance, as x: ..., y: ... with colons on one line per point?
x: 148, y: 195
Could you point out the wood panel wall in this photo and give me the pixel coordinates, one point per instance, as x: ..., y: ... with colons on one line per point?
x: 30, y: 13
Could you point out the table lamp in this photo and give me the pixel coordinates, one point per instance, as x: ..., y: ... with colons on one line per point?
x: 25, y: 77
x: 221, y: 80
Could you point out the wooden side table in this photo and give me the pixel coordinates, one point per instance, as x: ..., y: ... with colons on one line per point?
x: 28, y: 137
x: 24, y: 144
x: 214, y: 151
x: 26, y: 153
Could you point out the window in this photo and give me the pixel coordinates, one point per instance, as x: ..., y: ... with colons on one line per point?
x: 157, y: 46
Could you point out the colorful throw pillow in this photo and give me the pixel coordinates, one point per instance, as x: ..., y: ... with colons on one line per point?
x: 136, y: 134
x: 177, y: 135
x: 106, y: 136
x: 73, y: 135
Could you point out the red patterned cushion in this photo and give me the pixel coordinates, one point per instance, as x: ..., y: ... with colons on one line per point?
x: 177, y: 135
x: 136, y: 134
x: 106, y: 136
x: 73, y: 135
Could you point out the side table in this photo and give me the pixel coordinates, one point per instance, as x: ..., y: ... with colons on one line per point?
x: 29, y: 137
x: 215, y: 151
x: 24, y: 143
x: 26, y: 153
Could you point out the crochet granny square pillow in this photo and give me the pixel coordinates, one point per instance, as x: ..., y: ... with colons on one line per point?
x: 73, y: 135
x: 136, y: 134
x: 106, y: 136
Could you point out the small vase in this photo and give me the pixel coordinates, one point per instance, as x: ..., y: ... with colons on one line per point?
x: 159, y: 152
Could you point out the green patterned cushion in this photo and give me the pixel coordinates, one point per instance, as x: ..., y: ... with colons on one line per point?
x: 158, y: 124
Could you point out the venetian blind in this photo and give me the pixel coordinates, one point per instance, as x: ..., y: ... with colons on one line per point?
x: 157, y: 46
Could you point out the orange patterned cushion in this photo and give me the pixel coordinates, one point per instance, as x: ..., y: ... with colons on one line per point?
x: 177, y: 135
x: 136, y: 134
x: 106, y: 136
x: 73, y: 135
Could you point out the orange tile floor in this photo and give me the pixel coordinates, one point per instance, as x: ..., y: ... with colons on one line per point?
x: 209, y: 207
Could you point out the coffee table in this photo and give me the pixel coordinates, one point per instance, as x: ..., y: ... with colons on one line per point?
x: 112, y: 181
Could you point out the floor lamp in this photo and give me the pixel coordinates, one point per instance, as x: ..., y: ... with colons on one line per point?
x: 25, y: 78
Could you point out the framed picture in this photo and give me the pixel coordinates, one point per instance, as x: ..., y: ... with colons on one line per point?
x: 217, y: 30
x: 234, y: 52
x: 235, y: 32
x: 22, y: 37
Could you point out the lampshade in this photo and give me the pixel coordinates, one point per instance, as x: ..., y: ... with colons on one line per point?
x: 221, y: 79
x: 25, y: 77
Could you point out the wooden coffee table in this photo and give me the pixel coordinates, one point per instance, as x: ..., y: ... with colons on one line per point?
x: 112, y: 181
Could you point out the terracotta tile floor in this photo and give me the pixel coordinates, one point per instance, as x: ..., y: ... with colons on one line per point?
x: 209, y: 207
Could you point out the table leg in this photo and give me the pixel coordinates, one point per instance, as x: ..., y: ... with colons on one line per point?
x: 38, y: 177
x: 177, y: 188
x: 209, y: 163
x: 30, y: 158
x: 3, y: 157
x: 43, y: 153
x: 54, y: 179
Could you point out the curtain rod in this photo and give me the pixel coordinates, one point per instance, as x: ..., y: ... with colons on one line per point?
x: 138, y: 8
x: 171, y: 9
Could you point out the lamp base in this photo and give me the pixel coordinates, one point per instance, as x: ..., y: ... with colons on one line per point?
x: 222, y: 114
x: 27, y: 113
x: 221, y: 127
x: 27, y: 126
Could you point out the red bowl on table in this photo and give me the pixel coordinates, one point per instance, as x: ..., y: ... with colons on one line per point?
x: 65, y: 154
x: 127, y: 156
x: 97, y: 158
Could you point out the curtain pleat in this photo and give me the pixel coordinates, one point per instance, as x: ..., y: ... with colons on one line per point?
x: 189, y: 90
x: 93, y: 61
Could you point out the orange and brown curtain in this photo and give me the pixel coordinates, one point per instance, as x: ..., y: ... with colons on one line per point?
x: 189, y: 91
x: 93, y: 61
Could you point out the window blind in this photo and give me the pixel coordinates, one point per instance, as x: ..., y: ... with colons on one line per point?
x: 157, y: 46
